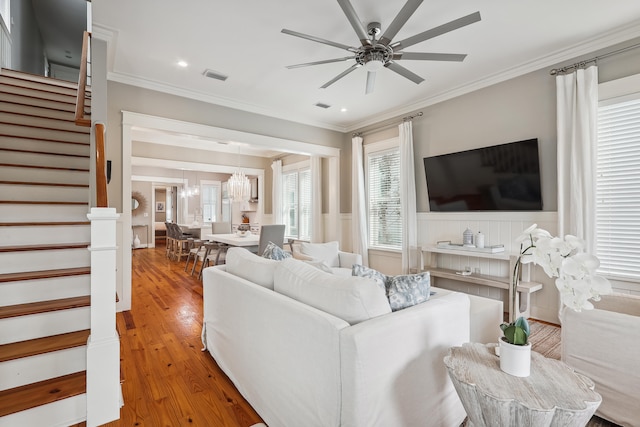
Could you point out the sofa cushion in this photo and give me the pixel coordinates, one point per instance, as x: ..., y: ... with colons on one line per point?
x: 273, y: 251
x: 242, y: 263
x: 327, y: 252
x: 403, y: 290
x: 353, y: 299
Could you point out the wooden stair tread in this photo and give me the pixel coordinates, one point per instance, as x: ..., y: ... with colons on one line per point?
x: 41, y: 393
x: 16, y: 165
x: 50, y: 184
x: 43, y: 223
x: 44, y: 306
x: 43, y: 139
x: 49, y: 153
x: 37, y: 202
x: 44, y: 274
x: 47, y: 247
x: 48, y: 344
x: 81, y: 130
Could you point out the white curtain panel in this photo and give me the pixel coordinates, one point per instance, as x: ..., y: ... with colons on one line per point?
x: 577, y: 110
x: 359, y: 237
x: 317, y: 229
x: 408, y: 198
x: 276, y: 196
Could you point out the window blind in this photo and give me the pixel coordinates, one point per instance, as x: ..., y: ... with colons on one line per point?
x: 290, y: 203
x: 304, y: 196
x: 383, y: 184
x: 618, y: 189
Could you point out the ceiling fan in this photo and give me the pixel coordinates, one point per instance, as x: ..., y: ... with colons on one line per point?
x: 375, y: 53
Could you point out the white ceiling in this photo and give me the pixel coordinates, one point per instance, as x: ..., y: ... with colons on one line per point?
x: 242, y: 40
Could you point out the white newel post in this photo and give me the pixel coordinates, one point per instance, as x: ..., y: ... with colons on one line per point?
x: 103, y: 346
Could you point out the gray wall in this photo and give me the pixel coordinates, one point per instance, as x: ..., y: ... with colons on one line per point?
x: 520, y: 108
x: 27, y: 49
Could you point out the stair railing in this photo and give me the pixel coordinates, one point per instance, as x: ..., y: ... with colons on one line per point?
x: 80, y: 118
x: 102, y: 199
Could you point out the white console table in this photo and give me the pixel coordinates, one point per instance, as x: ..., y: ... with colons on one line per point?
x: 525, y: 287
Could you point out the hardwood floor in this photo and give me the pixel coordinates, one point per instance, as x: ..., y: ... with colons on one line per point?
x: 168, y: 380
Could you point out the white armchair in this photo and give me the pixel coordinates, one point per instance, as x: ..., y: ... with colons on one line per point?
x: 328, y: 253
x: 604, y: 344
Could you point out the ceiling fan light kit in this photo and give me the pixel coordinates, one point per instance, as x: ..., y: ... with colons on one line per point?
x: 375, y: 54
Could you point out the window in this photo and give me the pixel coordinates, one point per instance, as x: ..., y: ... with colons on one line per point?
x: 383, y: 195
x: 5, y: 13
x: 618, y: 188
x: 211, y: 205
x: 296, y: 199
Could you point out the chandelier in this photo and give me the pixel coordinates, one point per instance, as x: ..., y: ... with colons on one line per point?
x: 239, y: 187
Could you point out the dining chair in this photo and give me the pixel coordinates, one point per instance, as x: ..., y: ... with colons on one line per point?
x: 213, y: 250
x: 271, y: 233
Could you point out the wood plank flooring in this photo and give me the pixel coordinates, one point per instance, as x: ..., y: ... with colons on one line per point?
x: 168, y: 380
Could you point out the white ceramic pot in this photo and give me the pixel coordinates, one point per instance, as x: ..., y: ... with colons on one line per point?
x: 515, y: 359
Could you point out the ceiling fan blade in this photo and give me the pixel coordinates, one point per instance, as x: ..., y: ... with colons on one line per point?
x: 424, y: 56
x: 339, y: 76
x: 398, y: 22
x: 319, y: 40
x: 437, y: 31
x: 371, y: 81
x: 394, y: 66
x: 355, y: 22
x: 326, y: 61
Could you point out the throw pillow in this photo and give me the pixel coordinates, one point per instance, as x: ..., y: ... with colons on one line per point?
x: 273, y: 251
x: 242, y: 263
x: 402, y: 291
x: 408, y: 290
x: 327, y: 252
x: 353, y: 299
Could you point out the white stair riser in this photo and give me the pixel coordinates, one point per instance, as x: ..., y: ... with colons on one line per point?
x: 22, y: 174
x: 42, y: 122
x: 34, y: 110
x: 27, y: 370
x: 43, y: 146
x: 62, y: 413
x: 37, y: 159
x: 27, y: 291
x: 43, y: 193
x: 22, y: 328
x: 11, y: 97
x: 31, y: 213
x: 48, y: 134
x: 16, y: 262
x: 38, y: 82
x: 34, y: 93
x: 33, y: 235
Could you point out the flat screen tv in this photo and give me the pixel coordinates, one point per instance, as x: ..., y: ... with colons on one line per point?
x: 503, y: 177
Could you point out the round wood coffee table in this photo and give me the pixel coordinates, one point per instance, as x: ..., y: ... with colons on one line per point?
x: 553, y: 395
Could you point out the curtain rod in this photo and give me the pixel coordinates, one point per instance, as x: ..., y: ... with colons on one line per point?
x: 582, y: 64
x: 390, y: 125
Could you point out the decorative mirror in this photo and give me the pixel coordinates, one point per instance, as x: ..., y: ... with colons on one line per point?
x: 138, y: 203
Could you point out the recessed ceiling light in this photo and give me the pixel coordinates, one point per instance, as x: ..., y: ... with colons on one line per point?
x: 343, y: 110
x: 183, y: 64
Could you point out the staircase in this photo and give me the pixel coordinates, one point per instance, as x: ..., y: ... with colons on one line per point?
x: 44, y: 261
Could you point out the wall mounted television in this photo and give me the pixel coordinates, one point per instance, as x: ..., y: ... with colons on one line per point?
x: 503, y: 177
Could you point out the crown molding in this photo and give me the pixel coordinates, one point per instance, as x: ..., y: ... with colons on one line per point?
x: 590, y: 46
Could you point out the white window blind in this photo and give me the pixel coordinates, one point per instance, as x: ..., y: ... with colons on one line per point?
x: 383, y: 188
x: 618, y: 188
x: 296, y: 199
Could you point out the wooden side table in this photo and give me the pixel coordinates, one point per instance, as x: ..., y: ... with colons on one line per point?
x: 553, y: 395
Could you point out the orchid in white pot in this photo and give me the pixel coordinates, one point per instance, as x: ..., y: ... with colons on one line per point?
x: 564, y: 259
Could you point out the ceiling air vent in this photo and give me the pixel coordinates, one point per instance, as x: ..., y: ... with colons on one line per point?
x: 214, y: 75
x: 322, y: 105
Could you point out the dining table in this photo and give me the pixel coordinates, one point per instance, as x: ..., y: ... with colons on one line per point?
x: 249, y: 241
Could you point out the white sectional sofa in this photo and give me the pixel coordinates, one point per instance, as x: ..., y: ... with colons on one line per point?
x: 308, y: 348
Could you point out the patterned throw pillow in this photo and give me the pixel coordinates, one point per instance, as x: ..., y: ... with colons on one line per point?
x: 402, y: 291
x: 273, y: 251
x: 370, y: 273
x: 408, y: 290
